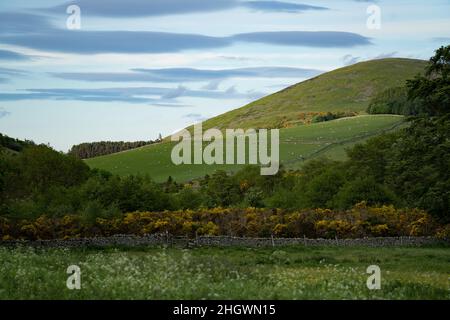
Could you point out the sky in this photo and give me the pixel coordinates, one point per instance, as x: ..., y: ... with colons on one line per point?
x: 129, y: 70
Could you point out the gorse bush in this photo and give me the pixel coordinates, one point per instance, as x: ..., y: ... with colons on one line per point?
x: 361, y: 221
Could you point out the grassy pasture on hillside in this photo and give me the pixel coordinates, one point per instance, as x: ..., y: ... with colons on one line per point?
x: 226, y: 273
x: 298, y: 144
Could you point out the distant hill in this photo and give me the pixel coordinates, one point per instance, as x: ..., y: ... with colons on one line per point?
x: 342, y: 90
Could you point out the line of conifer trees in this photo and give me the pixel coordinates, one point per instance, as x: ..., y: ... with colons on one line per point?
x: 96, y: 149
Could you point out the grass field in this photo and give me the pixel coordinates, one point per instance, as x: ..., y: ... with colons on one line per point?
x: 298, y: 144
x: 226, y: 273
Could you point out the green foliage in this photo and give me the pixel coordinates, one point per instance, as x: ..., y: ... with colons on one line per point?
x: 41, y: 167
x: 419, y: 166
x: 434, y: 88
x: 37, y: 169
x: 5, y: 170
x: 329, y: 116
x: 284, y: 198
x: 188, y: 198
x: 394, y: 101
x: 371, y: 158
x: 254, y: 198
x: 93, y: 210
x: 362, y: 189
x: 13, y: 144
x: 129, y: 193
x: 414, y: 164
x: 222, y: 190
x: 321, y: 189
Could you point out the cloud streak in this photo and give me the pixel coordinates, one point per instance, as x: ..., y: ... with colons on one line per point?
x: 148, y: 8
x: 171, y: 75
x: 36, y: 32
x: 8, y: 73
x: 12, y: 23
x: 147, y: 95
x: 13, y: 56
x: 279, y: 6
x: 96, y: 42
x: 318, y: 39
x: 12, y: 72
x: 143, y: 8
x: 195, y: 117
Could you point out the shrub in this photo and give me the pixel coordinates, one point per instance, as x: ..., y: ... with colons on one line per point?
x: 360, y: 221
x: 362, y: 189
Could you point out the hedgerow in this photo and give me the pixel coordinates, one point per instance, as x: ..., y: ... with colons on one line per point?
x: 361, y: 221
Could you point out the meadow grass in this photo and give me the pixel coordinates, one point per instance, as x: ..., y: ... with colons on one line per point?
x: 225, y: 273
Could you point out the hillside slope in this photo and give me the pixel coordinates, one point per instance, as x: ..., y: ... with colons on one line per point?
x: 345, y: 89
x: 297, y: 145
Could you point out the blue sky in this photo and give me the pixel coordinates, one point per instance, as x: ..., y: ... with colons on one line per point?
x: 138, y: 68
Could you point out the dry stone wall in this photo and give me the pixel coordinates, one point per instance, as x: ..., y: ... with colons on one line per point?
x: 224, y: 241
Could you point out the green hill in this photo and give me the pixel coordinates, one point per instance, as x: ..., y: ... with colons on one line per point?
x: 297, y: 145
x: 345, y: 89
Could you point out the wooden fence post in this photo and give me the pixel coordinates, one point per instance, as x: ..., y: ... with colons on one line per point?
x: 167, y: 238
